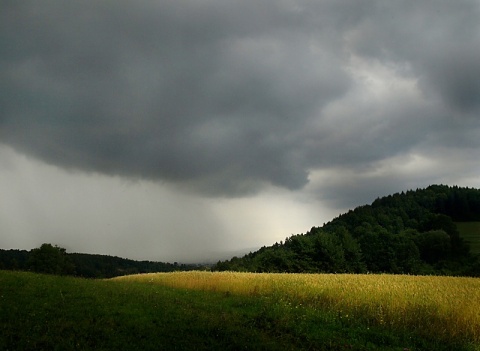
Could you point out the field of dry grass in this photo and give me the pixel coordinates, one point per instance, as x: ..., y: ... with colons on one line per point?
x: 447, y: 308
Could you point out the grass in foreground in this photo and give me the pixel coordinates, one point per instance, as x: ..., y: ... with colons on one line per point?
x: 40, y: 312
x: 441, y: 308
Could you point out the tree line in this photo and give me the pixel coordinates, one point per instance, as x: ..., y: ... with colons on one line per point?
x: 52, y: 259
x: 412, y: 232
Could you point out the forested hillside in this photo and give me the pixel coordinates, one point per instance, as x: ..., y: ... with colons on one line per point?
x: 411, y: 233
x: 55, y: 260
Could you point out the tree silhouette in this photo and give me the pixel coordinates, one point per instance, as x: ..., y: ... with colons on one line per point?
x: 50, y: 259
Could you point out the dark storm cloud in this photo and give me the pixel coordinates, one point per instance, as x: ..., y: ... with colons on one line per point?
x: 225, y: 97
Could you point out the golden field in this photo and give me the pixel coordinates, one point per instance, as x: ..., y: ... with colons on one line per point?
x: 445, y: 308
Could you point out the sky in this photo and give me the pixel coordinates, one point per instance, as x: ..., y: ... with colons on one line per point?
x: 194, y: 130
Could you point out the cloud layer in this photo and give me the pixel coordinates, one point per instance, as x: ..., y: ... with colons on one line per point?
x: 224, y: 97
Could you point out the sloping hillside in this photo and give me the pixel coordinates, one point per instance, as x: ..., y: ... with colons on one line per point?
x: 412, y: 232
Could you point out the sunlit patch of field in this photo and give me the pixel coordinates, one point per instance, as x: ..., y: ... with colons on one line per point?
x: 445, y: 308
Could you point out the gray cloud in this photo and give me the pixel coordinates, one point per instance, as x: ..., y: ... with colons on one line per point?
x: 346, y: 188
x: 224, y: 98
x: 439, y: 40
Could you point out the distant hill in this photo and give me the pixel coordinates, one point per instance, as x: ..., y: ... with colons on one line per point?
x: 88, y: 265
x: 413, y: 232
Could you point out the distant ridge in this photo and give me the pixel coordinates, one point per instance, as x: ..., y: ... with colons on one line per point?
x: 91, y: 265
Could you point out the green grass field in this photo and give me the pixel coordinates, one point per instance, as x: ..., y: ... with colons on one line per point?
x: 235, y: 311
x: 470, y: 231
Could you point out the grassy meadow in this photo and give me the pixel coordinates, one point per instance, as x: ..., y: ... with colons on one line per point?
x: 470, y: 231
x: 446, y: 308
x: 234, y: 311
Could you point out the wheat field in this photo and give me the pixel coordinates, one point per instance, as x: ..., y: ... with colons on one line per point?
x: 446, y: 308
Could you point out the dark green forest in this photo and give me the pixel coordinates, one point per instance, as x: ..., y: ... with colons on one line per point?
x: 52, y: 259
x: 412, y: 232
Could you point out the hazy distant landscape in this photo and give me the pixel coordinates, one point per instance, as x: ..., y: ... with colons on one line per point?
x: 431, y: 231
